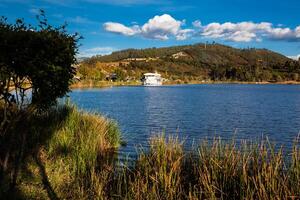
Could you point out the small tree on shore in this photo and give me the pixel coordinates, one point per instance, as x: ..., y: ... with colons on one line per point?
x: 35, y: 62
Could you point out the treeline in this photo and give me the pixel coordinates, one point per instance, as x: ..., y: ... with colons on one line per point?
x: 284, y: 72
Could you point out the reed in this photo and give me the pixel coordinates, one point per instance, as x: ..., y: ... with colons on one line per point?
x: 213, y: 170
x: 81, y: 144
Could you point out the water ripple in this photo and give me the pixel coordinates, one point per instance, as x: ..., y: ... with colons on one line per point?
x: 195, y: 112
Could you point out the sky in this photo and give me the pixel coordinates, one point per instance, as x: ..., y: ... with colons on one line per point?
x: 111, y: 25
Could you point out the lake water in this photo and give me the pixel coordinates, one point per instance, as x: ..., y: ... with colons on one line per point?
x: 194, y: 112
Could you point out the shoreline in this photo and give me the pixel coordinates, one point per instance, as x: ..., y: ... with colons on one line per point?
x: 104, y: 84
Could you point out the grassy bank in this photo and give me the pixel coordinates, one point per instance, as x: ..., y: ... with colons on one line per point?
x: 55, y: 154
x: 70, y: 154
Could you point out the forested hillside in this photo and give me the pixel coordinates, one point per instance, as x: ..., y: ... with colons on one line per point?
x: 194, y: 62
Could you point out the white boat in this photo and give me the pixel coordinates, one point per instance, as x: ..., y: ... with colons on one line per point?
x: 151, y: 79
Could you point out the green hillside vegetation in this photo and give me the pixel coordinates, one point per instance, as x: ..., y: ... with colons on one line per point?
x: 214, y: 62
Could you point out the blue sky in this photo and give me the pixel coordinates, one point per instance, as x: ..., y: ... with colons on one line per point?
x: 109, y: 25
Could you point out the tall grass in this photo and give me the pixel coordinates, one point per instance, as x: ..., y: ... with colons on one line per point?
x: 158, y: 173
x: 80, y: 145
x: 216, y: 170
x: 251, y: 171
x: 213, y: 170
x: 64, y: 150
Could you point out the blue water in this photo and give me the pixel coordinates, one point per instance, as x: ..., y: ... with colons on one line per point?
x: 194, y: 112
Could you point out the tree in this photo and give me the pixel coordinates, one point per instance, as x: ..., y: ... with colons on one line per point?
x: 36, y: 59
x: 37, y: 63
x: 121, y: 76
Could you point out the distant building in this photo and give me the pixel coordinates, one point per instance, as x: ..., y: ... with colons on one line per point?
x: 151, y: 79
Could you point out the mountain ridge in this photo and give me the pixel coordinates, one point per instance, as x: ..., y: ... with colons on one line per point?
x: 199, y: 61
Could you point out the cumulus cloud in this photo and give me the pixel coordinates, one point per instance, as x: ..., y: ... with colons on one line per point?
x: 121, y: 29
x: 297, y: 30
x: 238, y: 32
x: 159, y: 27
x: 197, y: 24
x: 184, y: 34
x: 248, y: 31
x: 96, y: 51
x: 165, y: 26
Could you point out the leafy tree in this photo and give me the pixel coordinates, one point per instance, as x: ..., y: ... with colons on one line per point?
x: 121, y: 76
x: 39, y: 57
x: 35, y: 62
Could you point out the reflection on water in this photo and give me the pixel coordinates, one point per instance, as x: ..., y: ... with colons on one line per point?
x: 198, y: 111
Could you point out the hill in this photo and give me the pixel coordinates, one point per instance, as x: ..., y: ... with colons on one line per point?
x: 194, y: 62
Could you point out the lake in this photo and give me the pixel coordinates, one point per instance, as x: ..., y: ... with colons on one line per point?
x: 194, y: 112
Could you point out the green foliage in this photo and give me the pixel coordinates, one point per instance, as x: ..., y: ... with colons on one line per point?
x: 38, y: 59
x: 121, y: 76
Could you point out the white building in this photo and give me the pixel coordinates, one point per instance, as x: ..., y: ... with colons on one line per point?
x: 151, y: 79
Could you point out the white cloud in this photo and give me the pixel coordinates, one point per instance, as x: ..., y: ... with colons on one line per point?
x: 248, y: 31
x: 121, y: 29
x: 281, y: 33
x: 184, y: 34
x: 165, y: 26
x: 197, y: 24
x: 159, y: 27
x: 294, y: 57
x: 96, y: 51
x: 242, y: 36
x: 297, y: 31
x: 238, y: 32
